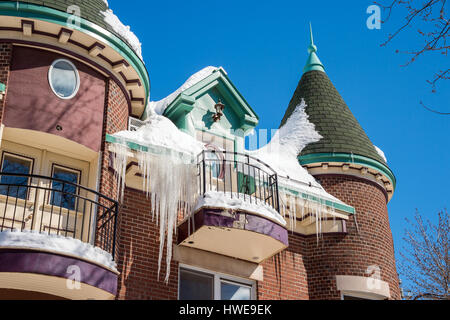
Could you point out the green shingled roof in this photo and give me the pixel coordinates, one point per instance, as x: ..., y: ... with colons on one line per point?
x: 333, y: 119
x: 91, y: 10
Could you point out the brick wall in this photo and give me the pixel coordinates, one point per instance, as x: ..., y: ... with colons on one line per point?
x: 308, y: 268
x: 5, y: 61
x: 115, y: 120
x: 285, y: 275
x: 353, y: 253
x: 139, y: 251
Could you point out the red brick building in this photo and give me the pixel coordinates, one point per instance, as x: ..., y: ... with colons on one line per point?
x: 106, y: 195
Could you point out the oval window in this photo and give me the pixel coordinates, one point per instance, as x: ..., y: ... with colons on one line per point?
x: 64, y: 79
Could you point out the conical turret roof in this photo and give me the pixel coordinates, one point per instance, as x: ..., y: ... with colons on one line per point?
x: 331, y: 116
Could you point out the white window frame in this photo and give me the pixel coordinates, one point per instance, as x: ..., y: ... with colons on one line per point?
x: 218, y: 279
x: 77, y: 76
x: 20, y: 157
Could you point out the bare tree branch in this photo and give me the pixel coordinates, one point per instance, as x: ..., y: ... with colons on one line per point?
x: 425, y: 259
x: 432, y: 15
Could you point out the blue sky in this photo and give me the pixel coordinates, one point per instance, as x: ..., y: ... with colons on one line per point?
x: 262, y: 45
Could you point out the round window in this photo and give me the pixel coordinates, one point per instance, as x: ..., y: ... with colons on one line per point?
x: 64, y: 79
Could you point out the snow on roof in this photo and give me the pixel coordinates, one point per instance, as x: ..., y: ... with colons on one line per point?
x: 60, y: 244
x: 160, y: 106
x: 160, y: 131
x: 281, y: 153
x: 381, y: 153
x: 122, y: 30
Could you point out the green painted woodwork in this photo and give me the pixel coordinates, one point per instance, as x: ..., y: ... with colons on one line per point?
x: 194, y: 108
x: 329, y: 203
x: 349, y: 158
x: 246, y: 184
x: 2, y: 88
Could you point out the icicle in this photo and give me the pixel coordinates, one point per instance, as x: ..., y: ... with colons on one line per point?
x: 171, y: 185
x: 120, y: 158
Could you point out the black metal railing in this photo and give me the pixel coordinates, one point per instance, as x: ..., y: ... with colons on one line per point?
x: 238, y: 175
x: 54, y: 206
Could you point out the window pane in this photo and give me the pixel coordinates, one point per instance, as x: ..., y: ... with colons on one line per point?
x: 19, y: 166
x: 196, y: 286
x: 63, y: 78
x: 231, y: 291
x: 65, y: 199
x: 213, y: 162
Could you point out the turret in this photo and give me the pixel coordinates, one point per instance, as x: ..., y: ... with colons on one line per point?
x: 70, y: 73
x: 349, y: 167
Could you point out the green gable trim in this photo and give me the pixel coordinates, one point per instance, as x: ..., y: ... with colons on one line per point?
x: 2, y: 88
x: 349, y: 158
x: 32, y: 11
x: 219, y: 80
x: 329, y: 203
x: 177, y: 112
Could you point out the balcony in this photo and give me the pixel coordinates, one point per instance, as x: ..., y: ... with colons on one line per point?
x: 48, y: 225
x: 237, y: 213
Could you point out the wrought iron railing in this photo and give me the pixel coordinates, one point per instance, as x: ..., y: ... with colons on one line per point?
x: 54, y: 206
x: 238, y: 175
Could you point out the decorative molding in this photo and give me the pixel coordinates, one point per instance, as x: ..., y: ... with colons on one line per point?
x: 53, y: 16
x: 64, y: 35
x: 366, y: 287
x: 27, y: 28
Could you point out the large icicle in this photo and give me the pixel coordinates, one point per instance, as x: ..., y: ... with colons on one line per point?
x: 173, y: 186
x: 169, y: 174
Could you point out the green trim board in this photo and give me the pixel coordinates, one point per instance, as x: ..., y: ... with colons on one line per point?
x: 33, y: 11
x: 156, y: 150
x: 329, y: 203
x: 2, y: 88
x: 349, y: 158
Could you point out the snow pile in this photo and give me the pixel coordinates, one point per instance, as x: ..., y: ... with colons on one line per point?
x: 160, y: 131
x: 281, y: 153
x: 381, y: 153
x: 56, y: 243
x: 160, y: 106
x: 220, y: 200
x: 124, y: 31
